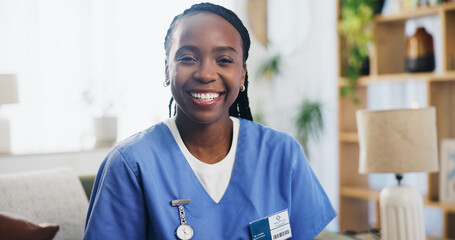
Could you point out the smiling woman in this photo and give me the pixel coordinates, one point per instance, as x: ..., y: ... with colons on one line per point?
x: 209, y: 172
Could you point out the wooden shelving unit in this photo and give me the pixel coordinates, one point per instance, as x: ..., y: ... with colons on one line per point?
x: 387, y: 63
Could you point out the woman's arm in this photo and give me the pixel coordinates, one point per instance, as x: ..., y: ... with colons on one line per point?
x: 311, y: 209
x: 117, y: 209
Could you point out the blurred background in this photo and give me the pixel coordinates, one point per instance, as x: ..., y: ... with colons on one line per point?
x: 79, y: 60
x: 76, y: 61
x: 89, y: 73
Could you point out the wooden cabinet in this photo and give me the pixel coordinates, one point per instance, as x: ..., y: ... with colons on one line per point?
x: 387, y: 63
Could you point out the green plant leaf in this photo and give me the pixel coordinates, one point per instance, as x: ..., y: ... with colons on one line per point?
x: 271, y: 67
x: 355, y: 28
x: 310, y: 123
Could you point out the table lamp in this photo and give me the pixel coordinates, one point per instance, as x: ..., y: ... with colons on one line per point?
x: 8, y: 95
x: 399, y: 141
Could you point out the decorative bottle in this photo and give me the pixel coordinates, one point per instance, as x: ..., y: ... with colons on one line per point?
x: 420, y: 52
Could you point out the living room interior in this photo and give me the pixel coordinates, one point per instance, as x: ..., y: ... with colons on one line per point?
x: 77, y: 77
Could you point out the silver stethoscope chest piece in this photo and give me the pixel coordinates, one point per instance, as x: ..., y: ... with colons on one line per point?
x: 184, y: 231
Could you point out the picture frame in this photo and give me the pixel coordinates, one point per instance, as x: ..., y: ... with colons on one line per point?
x: 447, y: 171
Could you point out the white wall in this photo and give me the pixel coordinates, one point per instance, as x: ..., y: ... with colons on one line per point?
x: 304, y: 31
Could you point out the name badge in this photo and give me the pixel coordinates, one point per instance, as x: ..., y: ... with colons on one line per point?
x: 273, y: 227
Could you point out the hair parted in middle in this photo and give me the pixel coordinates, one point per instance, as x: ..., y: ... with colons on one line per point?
x: 240, y: 108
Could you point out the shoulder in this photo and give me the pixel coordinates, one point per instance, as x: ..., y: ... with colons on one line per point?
x: 143, y: 138
x: 268, y: 144
x: 132, y: 150
x: 267, y: 135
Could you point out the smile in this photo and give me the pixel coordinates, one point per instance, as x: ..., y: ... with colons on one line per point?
x: 205, y: 97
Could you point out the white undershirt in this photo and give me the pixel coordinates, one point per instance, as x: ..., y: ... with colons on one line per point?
x: 213, y: 177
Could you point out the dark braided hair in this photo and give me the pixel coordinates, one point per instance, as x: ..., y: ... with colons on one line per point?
x: 241, y: 107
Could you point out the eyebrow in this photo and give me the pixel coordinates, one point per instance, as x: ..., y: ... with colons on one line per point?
x: 216, y: 49
x: 189, y: 48
x: 224, y: 48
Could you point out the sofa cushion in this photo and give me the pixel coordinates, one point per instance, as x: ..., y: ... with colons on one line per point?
x: 87, y: 182
x: 54, y: 195
x: 15, y: 227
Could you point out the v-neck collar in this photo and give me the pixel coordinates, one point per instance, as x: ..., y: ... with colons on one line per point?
x: 182, y: 160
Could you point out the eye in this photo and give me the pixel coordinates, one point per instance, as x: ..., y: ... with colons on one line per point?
x: 186, y: 59
x: 225, y: 60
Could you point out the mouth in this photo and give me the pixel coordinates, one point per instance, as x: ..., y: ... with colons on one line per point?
x: 205, y: 99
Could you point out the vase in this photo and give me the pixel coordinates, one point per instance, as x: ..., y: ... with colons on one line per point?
x: 420, y: 52
x: 105, y: 131
x: 365, y: 67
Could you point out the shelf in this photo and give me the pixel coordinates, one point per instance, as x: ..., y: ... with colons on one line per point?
x: 359, y: 193
x: 350, y: 137
x: 388, y: 65
x: 419, y: 12
x: 402, y: 77
x: 372, y: 194
x: 446, y: 207
x: 363, y: 81
x: 449, y: 76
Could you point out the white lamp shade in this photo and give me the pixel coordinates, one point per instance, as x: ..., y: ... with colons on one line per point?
x: 397, y: 141
x: 8, y: 89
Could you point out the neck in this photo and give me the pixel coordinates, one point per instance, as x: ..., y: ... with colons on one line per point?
x: 208, y: 142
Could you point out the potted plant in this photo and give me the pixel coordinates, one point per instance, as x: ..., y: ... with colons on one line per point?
x: 309, y: 123
x: 356, y: 30
x: 271, y: 67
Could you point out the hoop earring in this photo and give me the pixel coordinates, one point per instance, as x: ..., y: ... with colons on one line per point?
x: 242, y: 88
x: 166, y: 83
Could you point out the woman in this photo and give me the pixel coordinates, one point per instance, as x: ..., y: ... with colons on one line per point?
x: 208, y: 172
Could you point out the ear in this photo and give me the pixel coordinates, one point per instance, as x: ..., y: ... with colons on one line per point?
x: 244, y: 69
x: 166, y: 73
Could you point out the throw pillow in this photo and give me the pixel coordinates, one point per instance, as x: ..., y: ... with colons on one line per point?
x: 19, y: 228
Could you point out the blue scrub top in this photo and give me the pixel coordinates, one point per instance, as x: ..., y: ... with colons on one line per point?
x: 142, y: 175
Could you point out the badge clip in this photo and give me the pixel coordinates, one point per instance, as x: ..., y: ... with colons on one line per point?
x: 184, y: 231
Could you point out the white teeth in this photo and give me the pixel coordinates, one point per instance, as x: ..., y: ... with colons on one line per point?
x: 205, y: 96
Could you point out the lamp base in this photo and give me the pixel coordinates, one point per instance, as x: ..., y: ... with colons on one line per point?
x: 402, y: 213
x: 5, y: 136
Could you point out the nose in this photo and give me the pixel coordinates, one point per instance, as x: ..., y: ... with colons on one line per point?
x: 205, y: 72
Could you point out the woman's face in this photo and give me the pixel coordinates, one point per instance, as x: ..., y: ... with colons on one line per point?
x: 205, y: 67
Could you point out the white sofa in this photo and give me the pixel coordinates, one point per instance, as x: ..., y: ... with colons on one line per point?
x: 47, y: 196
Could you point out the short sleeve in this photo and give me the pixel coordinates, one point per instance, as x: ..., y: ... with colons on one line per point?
x: 117, y: 209
x: 311, y: 209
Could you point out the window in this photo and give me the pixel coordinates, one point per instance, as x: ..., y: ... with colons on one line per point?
x: 63, y: 49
